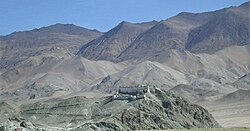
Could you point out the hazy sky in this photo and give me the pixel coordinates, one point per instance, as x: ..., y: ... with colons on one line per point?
x: 18, y: 15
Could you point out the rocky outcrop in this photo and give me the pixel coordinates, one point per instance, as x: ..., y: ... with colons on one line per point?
x: 134, y: 108
x: 164, y: 110
x: 157, y: 109
x: 16, y: 123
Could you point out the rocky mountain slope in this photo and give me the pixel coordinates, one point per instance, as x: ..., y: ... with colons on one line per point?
x: 152, y: 109
x: 203, y: 74
x: 59, y: 38
x: 58, y: 78
x: 239, y: 95
x: 115, y: 41
x: 22, y: 51
x: 227, y: 27
x: 145, y: 73
x: 43, y: 59
x: 209, y: 75
x: 204, y: 57
x: 199, y: 33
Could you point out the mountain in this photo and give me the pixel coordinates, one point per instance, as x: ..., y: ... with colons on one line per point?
x: 242, y: 83
x: 227, y: 27
x: 198, y: 33
x: 59, y: 38
x: 188, y: 91
x: 197, y: 77
x: 153, y: 109
x: 166, y: 35
x: 168, y: 42
x: 114, y: 42
x: 145, y: 73
x: 57, y: 78
x: 70, y: 29
x: 22, y: 51
x: 239, y: 95
x: 59, y: 73
x: 50, y: 35
x: 204, y: 75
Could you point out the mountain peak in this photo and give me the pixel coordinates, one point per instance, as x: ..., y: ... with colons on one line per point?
x: 67, y: 29
x: 184, y: 13
x: 70, y: 29
x: 125, y: 24
x: 246, y: 4
x: 113, y: 42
